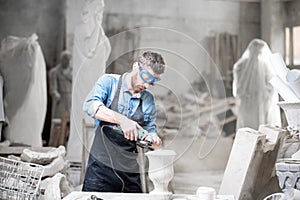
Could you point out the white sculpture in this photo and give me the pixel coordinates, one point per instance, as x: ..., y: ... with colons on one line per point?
x: 90, y: 53
x: 25, y: 92
x: 161, y: 170
x: 256, y: 98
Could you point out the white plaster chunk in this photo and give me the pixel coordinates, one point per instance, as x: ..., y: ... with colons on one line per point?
x: 273, y: 135
x: 242, y: 153
x: 280, y: 81
x: 13, y: 157
x: 250, y: 168
x: 43, y: 157
x: 55, y: 187
x: 57, y: 165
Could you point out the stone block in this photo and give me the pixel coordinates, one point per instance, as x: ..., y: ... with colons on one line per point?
x: 55, y: 187
x: 250, y: 171
x: 42, y: 157
x: 57, y: 165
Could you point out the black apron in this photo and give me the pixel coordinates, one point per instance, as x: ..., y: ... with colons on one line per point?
x: 112, y: 164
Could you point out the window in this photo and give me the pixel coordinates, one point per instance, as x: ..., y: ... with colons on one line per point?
x: 292, y: 46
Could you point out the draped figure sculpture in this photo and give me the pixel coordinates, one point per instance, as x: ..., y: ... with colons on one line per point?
x: 23, y: 68
x: 255, y: 97
x: 90, y: 53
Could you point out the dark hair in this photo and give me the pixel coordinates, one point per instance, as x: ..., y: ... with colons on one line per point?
x: 153, y: 60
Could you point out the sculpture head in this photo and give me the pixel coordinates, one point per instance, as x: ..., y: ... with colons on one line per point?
x: 92, y: 9
x: 65, y: 58
x: 256, y: 45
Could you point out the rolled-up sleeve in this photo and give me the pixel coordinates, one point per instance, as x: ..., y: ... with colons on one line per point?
x: 97, y: 96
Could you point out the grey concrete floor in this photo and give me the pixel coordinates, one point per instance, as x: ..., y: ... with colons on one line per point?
x: 187, y: 183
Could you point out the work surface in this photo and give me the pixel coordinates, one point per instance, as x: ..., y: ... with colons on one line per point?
x: 135, y: 196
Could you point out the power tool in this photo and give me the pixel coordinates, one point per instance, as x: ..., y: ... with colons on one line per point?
x: 145, y: 139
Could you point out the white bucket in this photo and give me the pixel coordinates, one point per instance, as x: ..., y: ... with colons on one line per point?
x: 206, y: 193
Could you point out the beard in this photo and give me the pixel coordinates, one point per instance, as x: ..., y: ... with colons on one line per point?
x: 135, y: 86
x: 138, y: 89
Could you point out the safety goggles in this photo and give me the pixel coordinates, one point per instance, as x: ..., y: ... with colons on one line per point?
x: 147, y: 77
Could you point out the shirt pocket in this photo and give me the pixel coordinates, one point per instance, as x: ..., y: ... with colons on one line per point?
x: 147, y: 117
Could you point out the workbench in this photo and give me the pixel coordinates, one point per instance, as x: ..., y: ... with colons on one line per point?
x: 77, y: 195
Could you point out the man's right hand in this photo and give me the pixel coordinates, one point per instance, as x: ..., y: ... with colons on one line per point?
x: 129, y: 128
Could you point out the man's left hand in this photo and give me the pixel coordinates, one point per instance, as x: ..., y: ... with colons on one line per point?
x: 156, y: 141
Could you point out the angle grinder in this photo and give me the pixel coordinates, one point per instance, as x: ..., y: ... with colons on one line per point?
x: 145, y: 139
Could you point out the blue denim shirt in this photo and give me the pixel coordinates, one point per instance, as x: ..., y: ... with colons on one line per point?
x: 103, y: 93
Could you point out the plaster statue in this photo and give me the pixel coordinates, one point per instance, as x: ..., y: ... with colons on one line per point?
x: 61, y: 86
x: 25, y: 92
x: 90, y: 53
x: 256, y: 99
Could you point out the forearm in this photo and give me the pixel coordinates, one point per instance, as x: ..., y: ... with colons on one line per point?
x: 105, y: 114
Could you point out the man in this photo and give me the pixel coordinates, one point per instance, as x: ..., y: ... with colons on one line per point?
x: 121, y: 102
x: 61, y: 86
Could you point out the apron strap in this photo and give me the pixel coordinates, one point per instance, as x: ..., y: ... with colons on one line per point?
x: 138, y: 116
x: 114, y: 104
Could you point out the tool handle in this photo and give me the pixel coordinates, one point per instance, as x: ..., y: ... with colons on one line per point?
x: 93, y: 197
x: 141, y: 132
